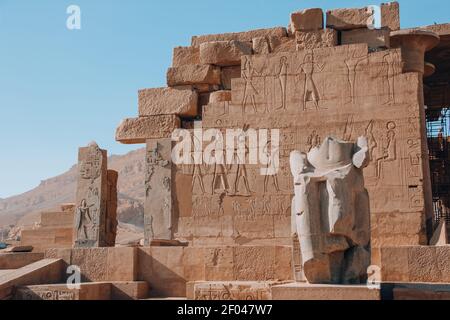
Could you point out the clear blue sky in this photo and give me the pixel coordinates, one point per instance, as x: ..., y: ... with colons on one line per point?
x: 61, y: 89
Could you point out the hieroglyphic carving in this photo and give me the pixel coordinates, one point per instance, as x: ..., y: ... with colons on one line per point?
x: 92, y: 196
x: 232, y: 292
x: 158, y: 200
x: 250, y: 92
x: 388, y: 150
x: 352, y: 63
x: 311, y: 93
x: 48, y: 295
x: 282, y: 75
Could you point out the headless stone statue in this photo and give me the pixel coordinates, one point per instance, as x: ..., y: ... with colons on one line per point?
x: 331, y: 211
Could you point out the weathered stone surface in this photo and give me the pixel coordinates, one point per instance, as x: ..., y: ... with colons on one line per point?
x: 111, y: 208
x: 18, y: 249
x: 129, y: 290
x: 316, y: 39
x: 278, y: 32
x: 229, y: 73
x: 306, y: 20
x: 390, y: 15
x: 224, y: 53
x: 91, y: 198
x: 185, y: 56
x: 220, y: 96
x: 159, y: 211
x: 299, y: 291
x: 57, y: 219
x: 346, y: 19
x: 60, y: 292
x: 376, y: 38
x: 138, y: 130
x: 193, y: 75
x: 169, y: 269
x: 414, y: 43
x: 332, y: 174
x: 18, y: 260
x: 416, y: 264
x: 168, y: 101
x: 46, y: 270
x: 261, y: 45
x: 231, y: 291
x: 49, y: 237
x: 102, y: 264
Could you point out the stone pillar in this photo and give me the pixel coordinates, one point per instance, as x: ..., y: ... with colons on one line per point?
x: 91, y: 198
x: 111, y: 217
x: 158, y: 210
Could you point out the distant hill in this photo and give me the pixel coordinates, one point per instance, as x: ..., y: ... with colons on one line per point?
x: 22, y: 210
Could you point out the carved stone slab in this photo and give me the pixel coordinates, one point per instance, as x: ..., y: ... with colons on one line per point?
x: 91, y: 198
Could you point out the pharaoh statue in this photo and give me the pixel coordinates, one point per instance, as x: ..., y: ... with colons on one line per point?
x: 331, y: 211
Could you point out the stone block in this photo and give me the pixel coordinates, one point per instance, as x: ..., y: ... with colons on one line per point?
x: 43, y: 271
x: 93, y: 263
x: 300, y: 291
x: 260, y: 45
x: 185, y: 56
x: 277, y: 32
x: 159, y: 182
x: 129, y: 290
x: 224, y: 53
x: 139, y: 130
x: 376, y: 38
x: 122, y: 264
x: 57, y: 219
x: 423, y: 264
x: 111, y: 208
x: 91, y: 197
x: 193, y: 75
x: 390, y: 15
x: 316, y: 39
x: 347, y: 19
x: 19, y: 249
x: 394, y: 264
x: 18, y: 260
x: 46, y: 238
x: 229, y: 73
x: 306, y: 20
x: 59, y: 292
x: 220, y: 96
x: 168, y: 101
x: 244, y: 291
x: 419, y: 264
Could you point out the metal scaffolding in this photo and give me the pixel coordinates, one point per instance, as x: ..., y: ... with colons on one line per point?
x: 438, y: 133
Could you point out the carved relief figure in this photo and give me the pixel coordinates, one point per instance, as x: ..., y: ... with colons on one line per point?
x: 282, y: 80
x: 310, y: 89
x: 220, y: 179
x: 84, y: 221
x: 352, y: 63
x: 313, y: 140
x: 197, y: 174
x: 389, y: 61
x: 273, y: 166
x: 90, y: 168
x: 241, y: 172
x: 331, y: 211
x: 250, y: 92
x: 389, y: 149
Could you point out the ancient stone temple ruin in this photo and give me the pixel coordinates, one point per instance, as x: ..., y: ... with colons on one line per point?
x: 328, y: 182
